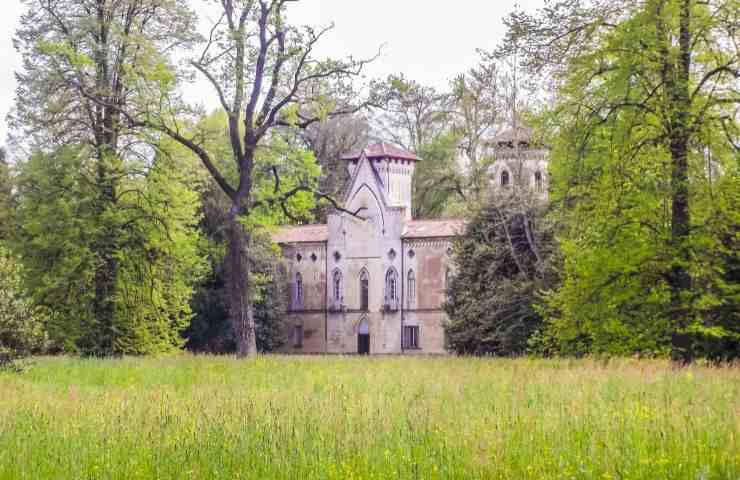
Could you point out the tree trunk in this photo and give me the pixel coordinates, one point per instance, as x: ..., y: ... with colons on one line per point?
x: 103, y: 332
x: 238, y: 295
x: 680, y: 279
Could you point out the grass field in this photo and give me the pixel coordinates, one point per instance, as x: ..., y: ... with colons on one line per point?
x: 343, y: 418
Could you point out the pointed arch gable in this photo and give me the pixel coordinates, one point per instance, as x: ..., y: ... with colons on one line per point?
x: 362, y: 166
x: 378, y: 201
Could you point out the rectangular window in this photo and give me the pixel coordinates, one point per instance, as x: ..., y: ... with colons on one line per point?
x: 411, y: 337
x: 298, y: 336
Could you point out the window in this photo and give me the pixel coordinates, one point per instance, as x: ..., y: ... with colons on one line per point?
x: 391, y: 285
x: 448, y: 277
x: 337, y: 285
x: 538, y: 181
x: 411, y: 294
x: 504, y: 178
x: 411, y: 337
x: 298, y: 336
x: 364, y: 290
x: 298, y: 299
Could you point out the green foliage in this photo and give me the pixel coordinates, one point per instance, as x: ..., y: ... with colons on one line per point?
x: 437, y: 181
x: 336, y: 418
x: 157, y: 248
x: 210, y: 330
x: 7, y: 204
x: 21, y: 323
x: 614, y: 184
x: 504, y: 261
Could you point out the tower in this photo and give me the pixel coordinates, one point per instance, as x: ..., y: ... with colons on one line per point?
x: 395, y: 170
x: 521, y: 161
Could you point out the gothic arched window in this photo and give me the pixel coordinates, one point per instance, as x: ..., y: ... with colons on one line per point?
x: 337, y: 285
x: 411, y: 283
x: 538, y: 181
x: 298, y: 300
x: 391, y: 285
x: 504, y: 178
x: 364, y: 290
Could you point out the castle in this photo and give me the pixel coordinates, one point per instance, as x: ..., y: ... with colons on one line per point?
x: 372, y: 280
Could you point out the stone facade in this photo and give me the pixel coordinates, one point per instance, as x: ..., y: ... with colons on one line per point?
x: 373, y: 282
x: 520, y: 162
x: 372, y: 279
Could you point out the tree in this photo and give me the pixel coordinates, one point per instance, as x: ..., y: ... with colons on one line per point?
x: 330, y: 140
x: 412, y: 114
x: 646, y: 115
x: 158, y: 255
x: 478, y: 106
x: 503, y: 261
x: 84, y: 64
x: 21, y: 324
x: 7, y: 205
x: 266, y: 78
x: 438, y: 185
x: 210, y: 330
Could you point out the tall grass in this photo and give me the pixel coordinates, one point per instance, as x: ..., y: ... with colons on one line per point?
x: 344, y: 418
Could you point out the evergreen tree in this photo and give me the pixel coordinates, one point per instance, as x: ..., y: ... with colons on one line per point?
x: 157, y: 252
x: 84, y: 63
x: 210, y: 330
x: 503, y: 262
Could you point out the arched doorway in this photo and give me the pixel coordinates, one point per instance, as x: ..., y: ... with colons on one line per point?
x: 363, y: 337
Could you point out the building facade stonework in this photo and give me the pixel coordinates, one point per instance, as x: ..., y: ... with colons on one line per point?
x: 372, y: 279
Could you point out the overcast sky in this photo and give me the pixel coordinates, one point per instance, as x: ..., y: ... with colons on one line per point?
x: 430, y: 41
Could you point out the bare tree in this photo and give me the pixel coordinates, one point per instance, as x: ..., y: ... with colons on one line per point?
x: 329, y: 141
x: 477, y: 102
x: 110, y: 83
x: 266, y: 77
x: 412, y: 114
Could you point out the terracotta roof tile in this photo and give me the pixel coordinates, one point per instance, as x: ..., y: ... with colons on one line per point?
x: 382, y: 150
x: 451, y: 227
x: 301, y: 234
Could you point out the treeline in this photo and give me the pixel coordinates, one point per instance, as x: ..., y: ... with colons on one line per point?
x: 638, y: 250
x: 136, y: 223
x: 133, y: 222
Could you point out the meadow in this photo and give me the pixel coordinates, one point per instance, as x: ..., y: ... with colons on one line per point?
x: 305, y: 418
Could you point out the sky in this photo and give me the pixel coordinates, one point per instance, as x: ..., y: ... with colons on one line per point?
x: 429, y: 41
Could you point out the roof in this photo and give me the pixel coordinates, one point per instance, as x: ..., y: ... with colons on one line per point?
x: 450, y: 227
x: 302, y: 234
x: 520, y: 134
x: 382, y: 150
